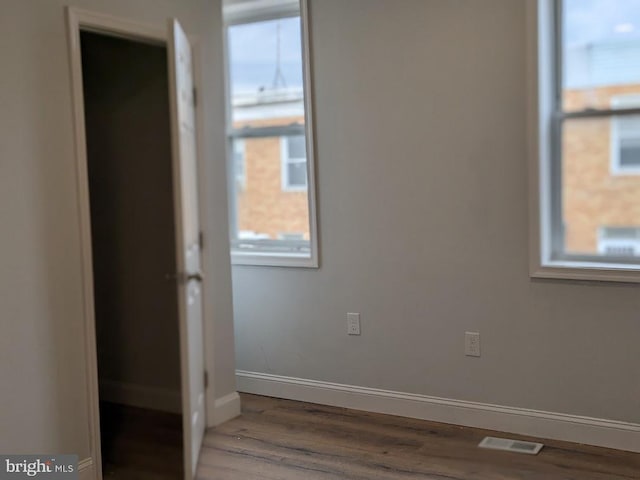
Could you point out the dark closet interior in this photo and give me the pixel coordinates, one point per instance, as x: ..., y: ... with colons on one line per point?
x: 133, y: 239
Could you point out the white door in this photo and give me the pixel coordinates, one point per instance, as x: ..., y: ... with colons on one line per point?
x: 183, y: 131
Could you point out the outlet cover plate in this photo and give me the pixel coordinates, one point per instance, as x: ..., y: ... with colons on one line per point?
x: 472, y: 344
x: 353, y: 324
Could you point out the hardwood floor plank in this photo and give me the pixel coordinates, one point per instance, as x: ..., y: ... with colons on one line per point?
x: 282, y: 439
x: 437, y: 447
x: 324, y: 459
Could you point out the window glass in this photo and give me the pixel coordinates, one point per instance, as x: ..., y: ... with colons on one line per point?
x: 629, y: 142
x: 600, y: 51
x: 595, y: 194
x: 296, y: 147
x: 297, y: 175
x: 295, y: 163
x: 238, y: 162
x: 598, y: 159
x: 264, y: 210
x: 265, y: 69
x: 271, y: 202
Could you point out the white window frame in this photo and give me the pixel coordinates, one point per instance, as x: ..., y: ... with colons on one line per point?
x: 545, y: 182
x: 285, y: 161
x: 235, y: 14
x: 631, y: 100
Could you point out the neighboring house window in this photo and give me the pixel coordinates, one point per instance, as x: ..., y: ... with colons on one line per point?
x: 270, y: 134
x: 238, y: 163
x: 294, y: 163
x: 291, y: 236
x: 587, y: 139
x: 619, y: 241
x: 625, y: 137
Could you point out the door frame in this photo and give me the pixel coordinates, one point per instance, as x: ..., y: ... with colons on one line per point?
x: 78, y: 20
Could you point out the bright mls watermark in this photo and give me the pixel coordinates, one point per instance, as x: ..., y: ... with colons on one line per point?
x: 53, y: 467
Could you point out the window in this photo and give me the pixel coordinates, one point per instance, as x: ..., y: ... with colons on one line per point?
x: 238, y: 163
x: 588, y: 137
x: 619, y: 241
x: 626, y: 144
x: 294, y: 163
x: 272, y: 200
x: 625, y: 137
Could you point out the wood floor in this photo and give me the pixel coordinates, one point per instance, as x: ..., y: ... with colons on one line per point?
x: 280, y: 439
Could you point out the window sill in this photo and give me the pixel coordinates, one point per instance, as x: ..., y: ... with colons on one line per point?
x: 273, y: 260
x: 622, y: 172
x: 587, y: 271
x: 288, y: 189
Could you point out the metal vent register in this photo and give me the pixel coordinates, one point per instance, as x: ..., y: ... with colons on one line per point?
x: 509, y: 445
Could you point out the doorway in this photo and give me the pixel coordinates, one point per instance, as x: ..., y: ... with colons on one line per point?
x: 128, y: 136
x: 137, y: 166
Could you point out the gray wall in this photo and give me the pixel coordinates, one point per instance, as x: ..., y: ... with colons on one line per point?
x: 132, y: 227
x: 422, y: 159
x: 42, y: 369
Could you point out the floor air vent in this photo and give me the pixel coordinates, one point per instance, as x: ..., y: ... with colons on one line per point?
x: 508, y: 445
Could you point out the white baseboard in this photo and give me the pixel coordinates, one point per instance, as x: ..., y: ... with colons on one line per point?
x: 226, y: 408
x: 141, y: 396
x: 86, y: 469
x: 535, y: 423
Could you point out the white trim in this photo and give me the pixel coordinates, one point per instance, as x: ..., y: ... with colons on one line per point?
x: 142, y: 396
x: 588, y: 271
x: 115, y: 26
x: 540, y: 98
x: 75, y: 20
x: 536, y: 423
x: 309, y: 120
x: 226, y: 408
x: 267, y: 259
x: 86, y: 469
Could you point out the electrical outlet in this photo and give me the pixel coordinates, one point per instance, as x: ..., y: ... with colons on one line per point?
x: 353, y: 324
x: 472, y: 344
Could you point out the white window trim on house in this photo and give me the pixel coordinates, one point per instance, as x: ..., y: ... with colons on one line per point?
x: 617, y: 169
x: 619, y: 238
x: 285, y: 161
x: 276, y: 253
x: 544, y: 149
